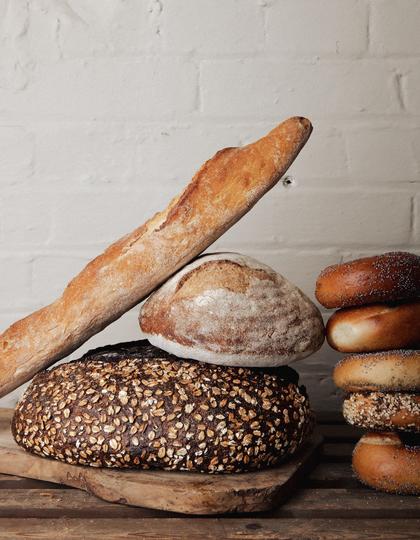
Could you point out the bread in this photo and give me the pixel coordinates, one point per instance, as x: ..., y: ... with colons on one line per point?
x: 232, y: 310
x: 383, y: 411
x: 223, y: 190
x: 378, y: 327
x: 382, y: 461
x: 133, y: 405
x: 384, y: 278
x: 394, y: 371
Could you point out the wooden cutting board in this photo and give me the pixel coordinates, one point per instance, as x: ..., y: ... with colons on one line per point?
x: 190, y: 493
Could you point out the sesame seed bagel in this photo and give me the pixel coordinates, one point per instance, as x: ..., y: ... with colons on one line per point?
x: 385, y: 462
x: 378, y: 327
x: 134, y: 406
x: 384, y: 278
x: 382, y: 411
x: 229, y: 309
x: 395, y: 371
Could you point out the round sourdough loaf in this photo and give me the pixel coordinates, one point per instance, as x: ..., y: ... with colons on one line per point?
x: 133, y: 405
x: 230, y: 309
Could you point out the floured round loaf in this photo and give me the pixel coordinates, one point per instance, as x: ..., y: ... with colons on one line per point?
x: 134, y: 406
x: 229, y: 309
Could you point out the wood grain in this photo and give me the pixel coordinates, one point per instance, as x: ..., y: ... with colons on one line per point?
x: 209, y: 529
x: 171, y: 491
x: 332, y: 475
x: 330, y: 504
x: 306, y: 504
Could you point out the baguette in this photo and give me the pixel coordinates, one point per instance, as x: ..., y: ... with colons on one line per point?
x: 224, y: 189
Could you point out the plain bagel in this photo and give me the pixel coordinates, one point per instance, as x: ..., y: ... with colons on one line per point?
x: 230, y: 309
x: 378, y: 327
x: 382, y: 461
x: 389, y: 277
x: 394, y: 371
x: 382, y: 411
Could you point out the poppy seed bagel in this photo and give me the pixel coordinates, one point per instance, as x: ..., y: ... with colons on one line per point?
x: 389, y: 277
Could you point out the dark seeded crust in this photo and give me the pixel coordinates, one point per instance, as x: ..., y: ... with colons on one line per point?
x: 133, y: 405
x: 383, y: 411
x: 389, y: 277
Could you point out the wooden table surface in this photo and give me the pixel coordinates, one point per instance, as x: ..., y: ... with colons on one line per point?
x: 330, y: 504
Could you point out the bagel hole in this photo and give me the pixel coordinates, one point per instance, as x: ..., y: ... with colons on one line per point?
x: 410, y: 439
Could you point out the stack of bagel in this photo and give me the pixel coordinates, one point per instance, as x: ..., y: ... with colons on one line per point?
x: 378, y: 326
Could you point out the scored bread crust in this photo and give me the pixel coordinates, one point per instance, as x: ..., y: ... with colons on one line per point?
x: 382, y: 461
x: 230, y: 309
x: 221, y: 192
x: 388, y: 277
x: 378, y: 327
x: 395, y: 371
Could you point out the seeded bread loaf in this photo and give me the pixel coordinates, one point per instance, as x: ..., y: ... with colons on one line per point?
x: 230, y: 309
x: 133, y: 405
x: 222, y: 191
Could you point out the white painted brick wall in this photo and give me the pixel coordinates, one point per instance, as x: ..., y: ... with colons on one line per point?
x: 108, y: 108
x: 324, y: 27
x: 384, y: 154
x: 410, y: 84
x: 317, y: 88
x: 395, y: 27
x: 213, y: 27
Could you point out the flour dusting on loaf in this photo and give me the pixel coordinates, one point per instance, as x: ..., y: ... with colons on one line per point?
x: 230, y: 309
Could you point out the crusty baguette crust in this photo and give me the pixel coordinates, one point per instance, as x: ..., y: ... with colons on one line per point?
x: 221, y: 192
